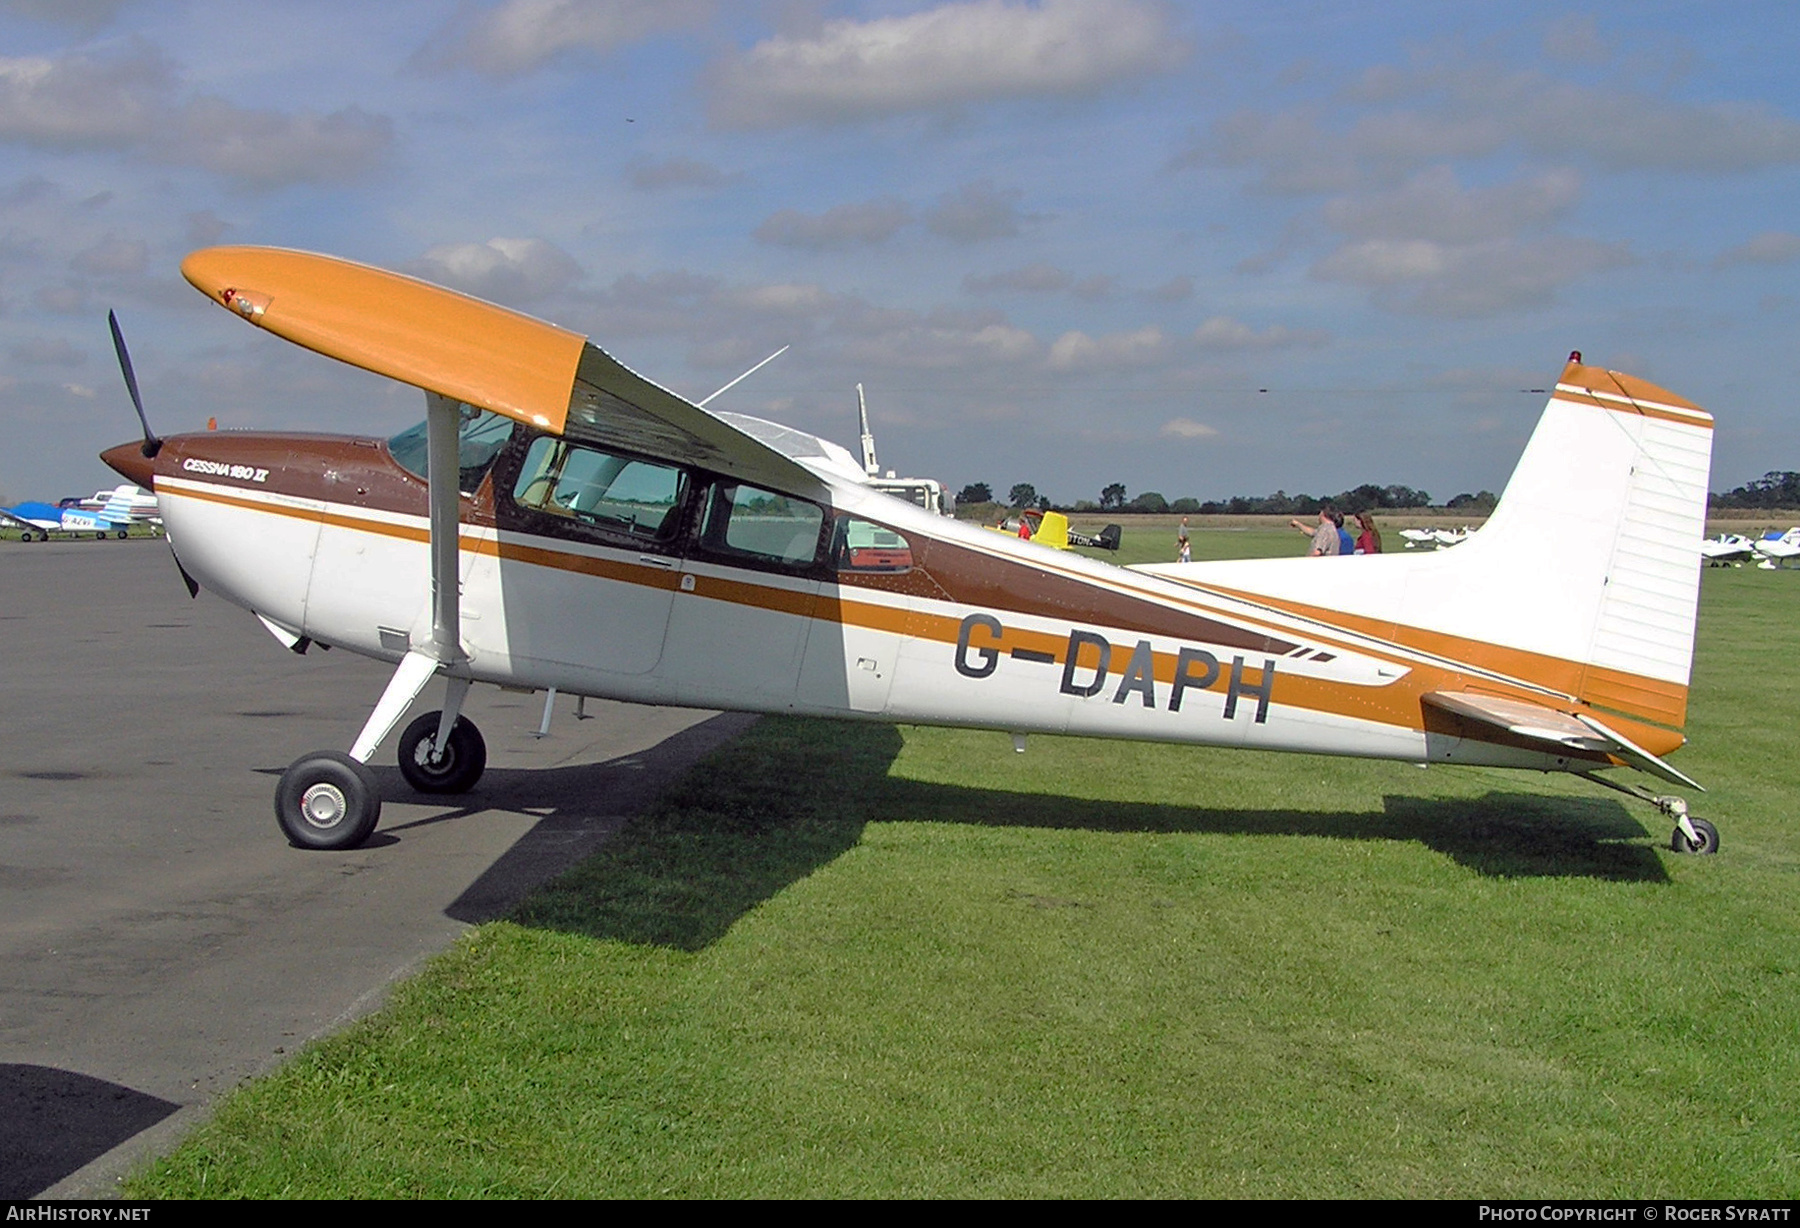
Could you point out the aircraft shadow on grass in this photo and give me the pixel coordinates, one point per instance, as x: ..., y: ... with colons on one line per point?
x: 772, y: 809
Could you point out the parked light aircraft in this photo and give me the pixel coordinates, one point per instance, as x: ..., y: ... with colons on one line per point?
x: 1052, y: 529
x: 1436, y: 537
x: 560, y: 521
x: 40, y: 520
x: 123, y: 505
x: 1727, y: 550
x: 1777, y: 550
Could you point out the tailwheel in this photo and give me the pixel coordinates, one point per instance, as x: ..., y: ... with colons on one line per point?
x: 1692, y: 835
x: 1706, y: 838
x: 327, y: 800
x: 453, y: 770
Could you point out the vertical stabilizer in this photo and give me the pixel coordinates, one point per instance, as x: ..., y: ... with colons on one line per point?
x: 1586, y: 578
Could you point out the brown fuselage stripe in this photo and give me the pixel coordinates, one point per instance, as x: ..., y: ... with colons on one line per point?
x: 1397, y: 704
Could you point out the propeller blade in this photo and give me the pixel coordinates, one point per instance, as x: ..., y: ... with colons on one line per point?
x: 152, y: 445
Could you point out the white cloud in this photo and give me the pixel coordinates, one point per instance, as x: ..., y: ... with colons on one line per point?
x: 1187, y: 428
x: 976, y: 212
x: 658, y: 174
x: 1424, y: 277
x: 205, y: 228
x: 1430, y: 246
x: 1433, y: 205
x: 1294, y: 154
x: 950, y: 55
x: 1094, y: 288
x: 47, y: 352
x: 1077, y: 349
x: 61, y: 300
x: 1225, y: 333
x: 111, y: 257
x: 520, y: 35
x: 1038, y: 278
x: 1626, y: 130
x: 1575, y: 38
x: 503, y: 270
x: 938, y: 343
x: 786, y: 298
x: 1769, y: 247
x: 79, y: 100
x: 265, y: 149
x: 1175, y: 290
x: 1467, y: 108
x: 843, y: 226
x: 130, y: 101
x: 84, y: 16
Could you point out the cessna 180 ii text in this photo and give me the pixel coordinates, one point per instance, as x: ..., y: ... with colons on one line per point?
x: 560, y: 521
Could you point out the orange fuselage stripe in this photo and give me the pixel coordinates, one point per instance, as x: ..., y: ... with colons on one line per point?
x: 1396, y: 704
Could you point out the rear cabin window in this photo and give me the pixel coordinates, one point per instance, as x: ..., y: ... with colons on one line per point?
x: 638, y: 498
x: 760, y: 526
x: 479, y: 437
x: 864, y: 546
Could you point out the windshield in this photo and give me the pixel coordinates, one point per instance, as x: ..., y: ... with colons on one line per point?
x: 480, y: 436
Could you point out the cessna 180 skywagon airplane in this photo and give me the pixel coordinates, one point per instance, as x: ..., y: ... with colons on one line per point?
x: 560, y: 521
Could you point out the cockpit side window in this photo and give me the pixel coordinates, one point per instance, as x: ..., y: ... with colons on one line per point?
x: 640, y: 499
x: 751, y: 525
x: 480, y: 436
x: 863, y: 546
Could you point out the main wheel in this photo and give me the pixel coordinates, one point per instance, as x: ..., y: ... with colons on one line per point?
x: 1708, y: 842
x: 454, y: 771
x: 327, y: 800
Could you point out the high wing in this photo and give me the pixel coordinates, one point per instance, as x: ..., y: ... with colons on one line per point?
x: 471, y: 351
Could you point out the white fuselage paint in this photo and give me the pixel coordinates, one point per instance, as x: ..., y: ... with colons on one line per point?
x: 616, y: 624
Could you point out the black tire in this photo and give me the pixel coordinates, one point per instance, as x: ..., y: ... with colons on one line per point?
x: 1709, y: 839
x: 461, y: 764
x: 121, y: 534
x: 327, y: 800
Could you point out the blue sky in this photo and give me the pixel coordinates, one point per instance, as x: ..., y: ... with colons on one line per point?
x: 1069, y: 242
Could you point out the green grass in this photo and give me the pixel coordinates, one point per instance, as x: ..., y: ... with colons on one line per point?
x: 861, y: 960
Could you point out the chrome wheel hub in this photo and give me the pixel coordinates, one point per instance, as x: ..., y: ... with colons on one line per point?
x: 324, y: 805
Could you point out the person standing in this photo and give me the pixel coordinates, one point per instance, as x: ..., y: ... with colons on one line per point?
x: 1183, y: 551
x: 1368, y: 537
x: 1325, y: 543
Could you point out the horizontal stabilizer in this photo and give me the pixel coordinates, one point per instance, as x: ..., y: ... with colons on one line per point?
x: 1638, y: 757
x: 1555, y: 731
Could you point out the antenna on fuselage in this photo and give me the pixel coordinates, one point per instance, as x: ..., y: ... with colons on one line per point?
x: 871, y: 466
x: 746, y: 375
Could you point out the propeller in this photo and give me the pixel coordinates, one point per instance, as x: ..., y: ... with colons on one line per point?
x: 152, y: 445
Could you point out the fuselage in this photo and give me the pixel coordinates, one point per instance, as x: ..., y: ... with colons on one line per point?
x: 628, y: 577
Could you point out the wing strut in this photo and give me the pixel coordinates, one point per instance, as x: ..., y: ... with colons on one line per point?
x: 416, y: 668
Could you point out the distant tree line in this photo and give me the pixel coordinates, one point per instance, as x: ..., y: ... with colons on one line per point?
x: 1115, y: 498
x: 1779, y: 488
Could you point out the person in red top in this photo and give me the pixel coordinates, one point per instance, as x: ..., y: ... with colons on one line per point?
x: 1368, y: 539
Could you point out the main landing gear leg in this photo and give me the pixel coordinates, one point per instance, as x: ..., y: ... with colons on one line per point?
x: 329, y: 800
x: 442, y: 752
